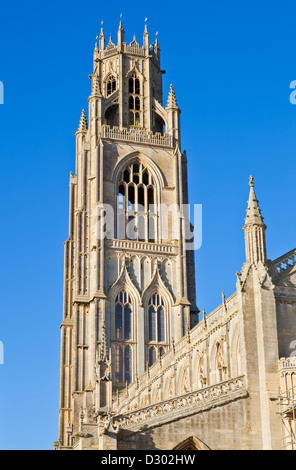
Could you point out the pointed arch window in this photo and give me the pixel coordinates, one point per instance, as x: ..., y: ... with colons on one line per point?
x: 110, y: 85
x: 136, y: 215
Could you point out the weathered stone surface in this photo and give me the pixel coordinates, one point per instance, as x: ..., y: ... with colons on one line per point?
x: 138, y: 371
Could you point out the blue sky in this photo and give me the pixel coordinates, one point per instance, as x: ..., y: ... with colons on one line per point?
x: 231, y: 64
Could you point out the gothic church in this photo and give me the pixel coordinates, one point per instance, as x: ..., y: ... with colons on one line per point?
x: 138, y: 370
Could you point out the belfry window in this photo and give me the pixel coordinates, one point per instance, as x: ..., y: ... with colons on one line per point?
x: 110, y: 85
x: 134, y: 103
x: 136, y: 204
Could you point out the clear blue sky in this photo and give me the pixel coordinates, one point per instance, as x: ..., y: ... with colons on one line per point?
x: 231, y: 64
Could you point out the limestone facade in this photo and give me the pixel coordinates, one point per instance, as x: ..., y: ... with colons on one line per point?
x: 138, y: 370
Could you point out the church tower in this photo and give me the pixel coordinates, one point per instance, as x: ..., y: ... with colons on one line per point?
x: 129, y: 284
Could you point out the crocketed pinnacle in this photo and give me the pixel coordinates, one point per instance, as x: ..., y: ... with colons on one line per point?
x: 83, y: 122
x: 172, y: 102
x: 96, y: 91
x: 104, y: 352
x: 254, y: 216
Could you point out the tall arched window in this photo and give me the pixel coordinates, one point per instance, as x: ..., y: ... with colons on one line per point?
x: 156, y: 328
x: 110, y: 85
x: 123, y: 339
x: 136, y: 214
x: 134, y: 100
x: 123, y: 317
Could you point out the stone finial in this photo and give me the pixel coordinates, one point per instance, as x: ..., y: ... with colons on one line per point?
x: 172, y: 102
x: 111, y: 44
x: 83, y: 123
x: 156, y: 44
x: 120, y: 33
x: 254, y: 216
x: 102, y: 39
x: 146, y: 37
x: 254, y: 229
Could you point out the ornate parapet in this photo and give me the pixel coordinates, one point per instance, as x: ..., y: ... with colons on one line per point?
x: 287, y: 371
x: 284, y: 263
x: 136, y: 135
x: 137, y: 246
x: 183, y: 406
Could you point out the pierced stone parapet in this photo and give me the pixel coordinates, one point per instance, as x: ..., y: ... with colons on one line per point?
x: 285, y: 262
x: 131, y: 245
x: 136, y: 135
x: 287, y: 363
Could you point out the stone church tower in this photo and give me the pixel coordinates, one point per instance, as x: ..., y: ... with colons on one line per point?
x: 129, y: 286
x: 138, y: 371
